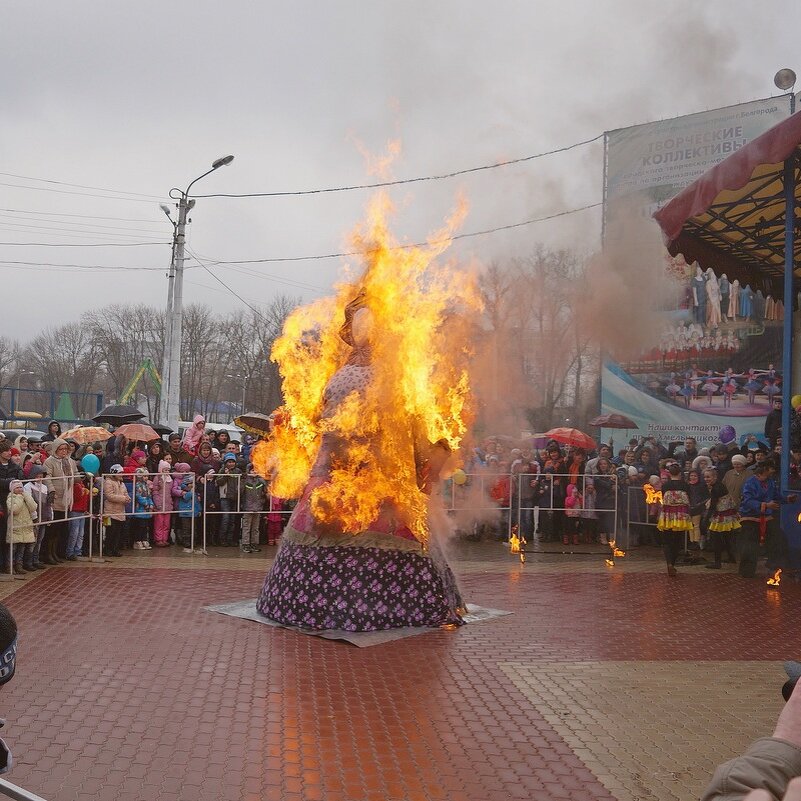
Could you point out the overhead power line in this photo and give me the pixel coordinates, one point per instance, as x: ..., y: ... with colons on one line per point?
x: 344, y: 254
x: 78, y: 245
x: 83, y: 216
x: 83, y: 194
x: 223, y: 284
x: 76, y: 267
x: 14, y: 224
x: 79, y: 186
x: 419, y: 179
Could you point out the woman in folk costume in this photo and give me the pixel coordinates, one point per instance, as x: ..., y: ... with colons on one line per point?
x: 359, y: 551
x: 722, y: 518
x: 674, y: 518
x: 713, y: 298
x: 734, y: 299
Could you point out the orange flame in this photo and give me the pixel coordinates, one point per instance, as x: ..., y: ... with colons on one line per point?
x: 417, y: 393
x: 652, y: 495
x: 776, y: 579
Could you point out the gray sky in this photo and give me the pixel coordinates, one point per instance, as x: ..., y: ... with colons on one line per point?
x: 141, y: 97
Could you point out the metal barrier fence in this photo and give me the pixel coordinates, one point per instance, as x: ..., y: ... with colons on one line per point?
x: 549, y: 487
x: 18, y: 793
x: 515, y: 498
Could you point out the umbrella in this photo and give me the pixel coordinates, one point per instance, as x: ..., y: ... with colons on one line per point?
x: 160, y: 429
x: 572, y: 436
x: 535, y: 441
x: 137, y: 432
x: 613, y: 421
x: 254, y: 423
x: 83, y: 435
x: 117, y: 415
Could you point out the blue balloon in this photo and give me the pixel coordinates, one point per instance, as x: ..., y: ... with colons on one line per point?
x: 91, y: 464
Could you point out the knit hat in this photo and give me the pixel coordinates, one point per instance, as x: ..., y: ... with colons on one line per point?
x: 229, y: 457
x: 115, y: 468
x: 738, y: 458
x: 139, y: 454
x: 140, y: 471
x: 215, y: 452
x: 182, y: 467
x: 175, y: 435
x: 163, y: 465
x: 37, y: 470
x: 14, y: 484
x: 15, y: 451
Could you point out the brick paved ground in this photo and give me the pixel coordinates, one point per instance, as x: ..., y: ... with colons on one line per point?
x: 604, y: 684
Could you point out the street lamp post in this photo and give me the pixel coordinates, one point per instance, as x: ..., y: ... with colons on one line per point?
x: 15, y: 399
x: 244, y: 381
x: 169, y: 406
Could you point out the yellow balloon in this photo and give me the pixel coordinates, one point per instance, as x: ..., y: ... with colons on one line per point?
x: 795, y: 401
x: 459, y: 476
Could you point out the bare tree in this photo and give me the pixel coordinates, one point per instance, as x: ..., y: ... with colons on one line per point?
x: 65, y: 360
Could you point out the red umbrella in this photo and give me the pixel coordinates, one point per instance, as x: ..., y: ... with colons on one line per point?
x: 572, y: 436
x: 613, y: 420
x: 137, y: 432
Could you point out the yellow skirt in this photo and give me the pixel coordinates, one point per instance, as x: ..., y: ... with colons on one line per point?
x: 728, y: 525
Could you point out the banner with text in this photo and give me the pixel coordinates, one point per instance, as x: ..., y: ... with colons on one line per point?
x: 713, y: 364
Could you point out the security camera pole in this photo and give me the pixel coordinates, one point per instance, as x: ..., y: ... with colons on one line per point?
x: 170, y: 400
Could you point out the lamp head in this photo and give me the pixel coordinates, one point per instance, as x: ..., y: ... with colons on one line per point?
x: 226, y: 160
x: 165, y: 208
x: 784, y: 79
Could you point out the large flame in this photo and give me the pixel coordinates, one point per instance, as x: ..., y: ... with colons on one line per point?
x: 776, y: 579
x: 418, y: 390
x: 652, y: 495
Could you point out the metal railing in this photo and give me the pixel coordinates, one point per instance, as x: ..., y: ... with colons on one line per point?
x: 18, y: 793
x: 473, y: 494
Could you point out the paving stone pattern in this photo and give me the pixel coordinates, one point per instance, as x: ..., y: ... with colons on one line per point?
x: 604, y: 684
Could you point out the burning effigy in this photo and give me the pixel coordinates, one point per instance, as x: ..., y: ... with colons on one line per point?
x: 376, y: 394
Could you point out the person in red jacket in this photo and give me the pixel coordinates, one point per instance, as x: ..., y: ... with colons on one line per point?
x: 501, y: 493
x: 77, y: 518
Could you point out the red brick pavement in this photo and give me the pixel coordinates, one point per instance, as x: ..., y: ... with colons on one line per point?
x: 127, y: 690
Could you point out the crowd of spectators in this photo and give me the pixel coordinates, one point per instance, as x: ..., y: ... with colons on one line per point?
x: 142, y: 496
x: 572, y: 496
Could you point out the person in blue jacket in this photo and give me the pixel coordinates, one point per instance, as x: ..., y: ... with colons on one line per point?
x: 143, y: 510
x: 761, y: 499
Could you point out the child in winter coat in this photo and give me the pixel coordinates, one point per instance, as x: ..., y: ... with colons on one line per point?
x: 183, y: 490
x: 80, y: 508
x: 21, y: 516
x: 115, y: 499
x: 37, y: 489
x: 162, y: 503
x: 143, y: 510
x: 573, y: 506
x: 253, y: 495
x: 194, y: 434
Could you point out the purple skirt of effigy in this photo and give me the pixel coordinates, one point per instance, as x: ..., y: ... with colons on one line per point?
x: 358, y: 588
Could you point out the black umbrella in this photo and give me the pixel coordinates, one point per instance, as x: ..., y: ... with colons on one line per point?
x: 117, y: 415
x: 160, y: 429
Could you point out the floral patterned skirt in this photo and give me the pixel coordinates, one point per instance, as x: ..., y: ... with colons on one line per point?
x: 358, y: 589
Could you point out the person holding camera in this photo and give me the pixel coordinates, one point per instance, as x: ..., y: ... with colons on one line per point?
x: 769, y: 769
